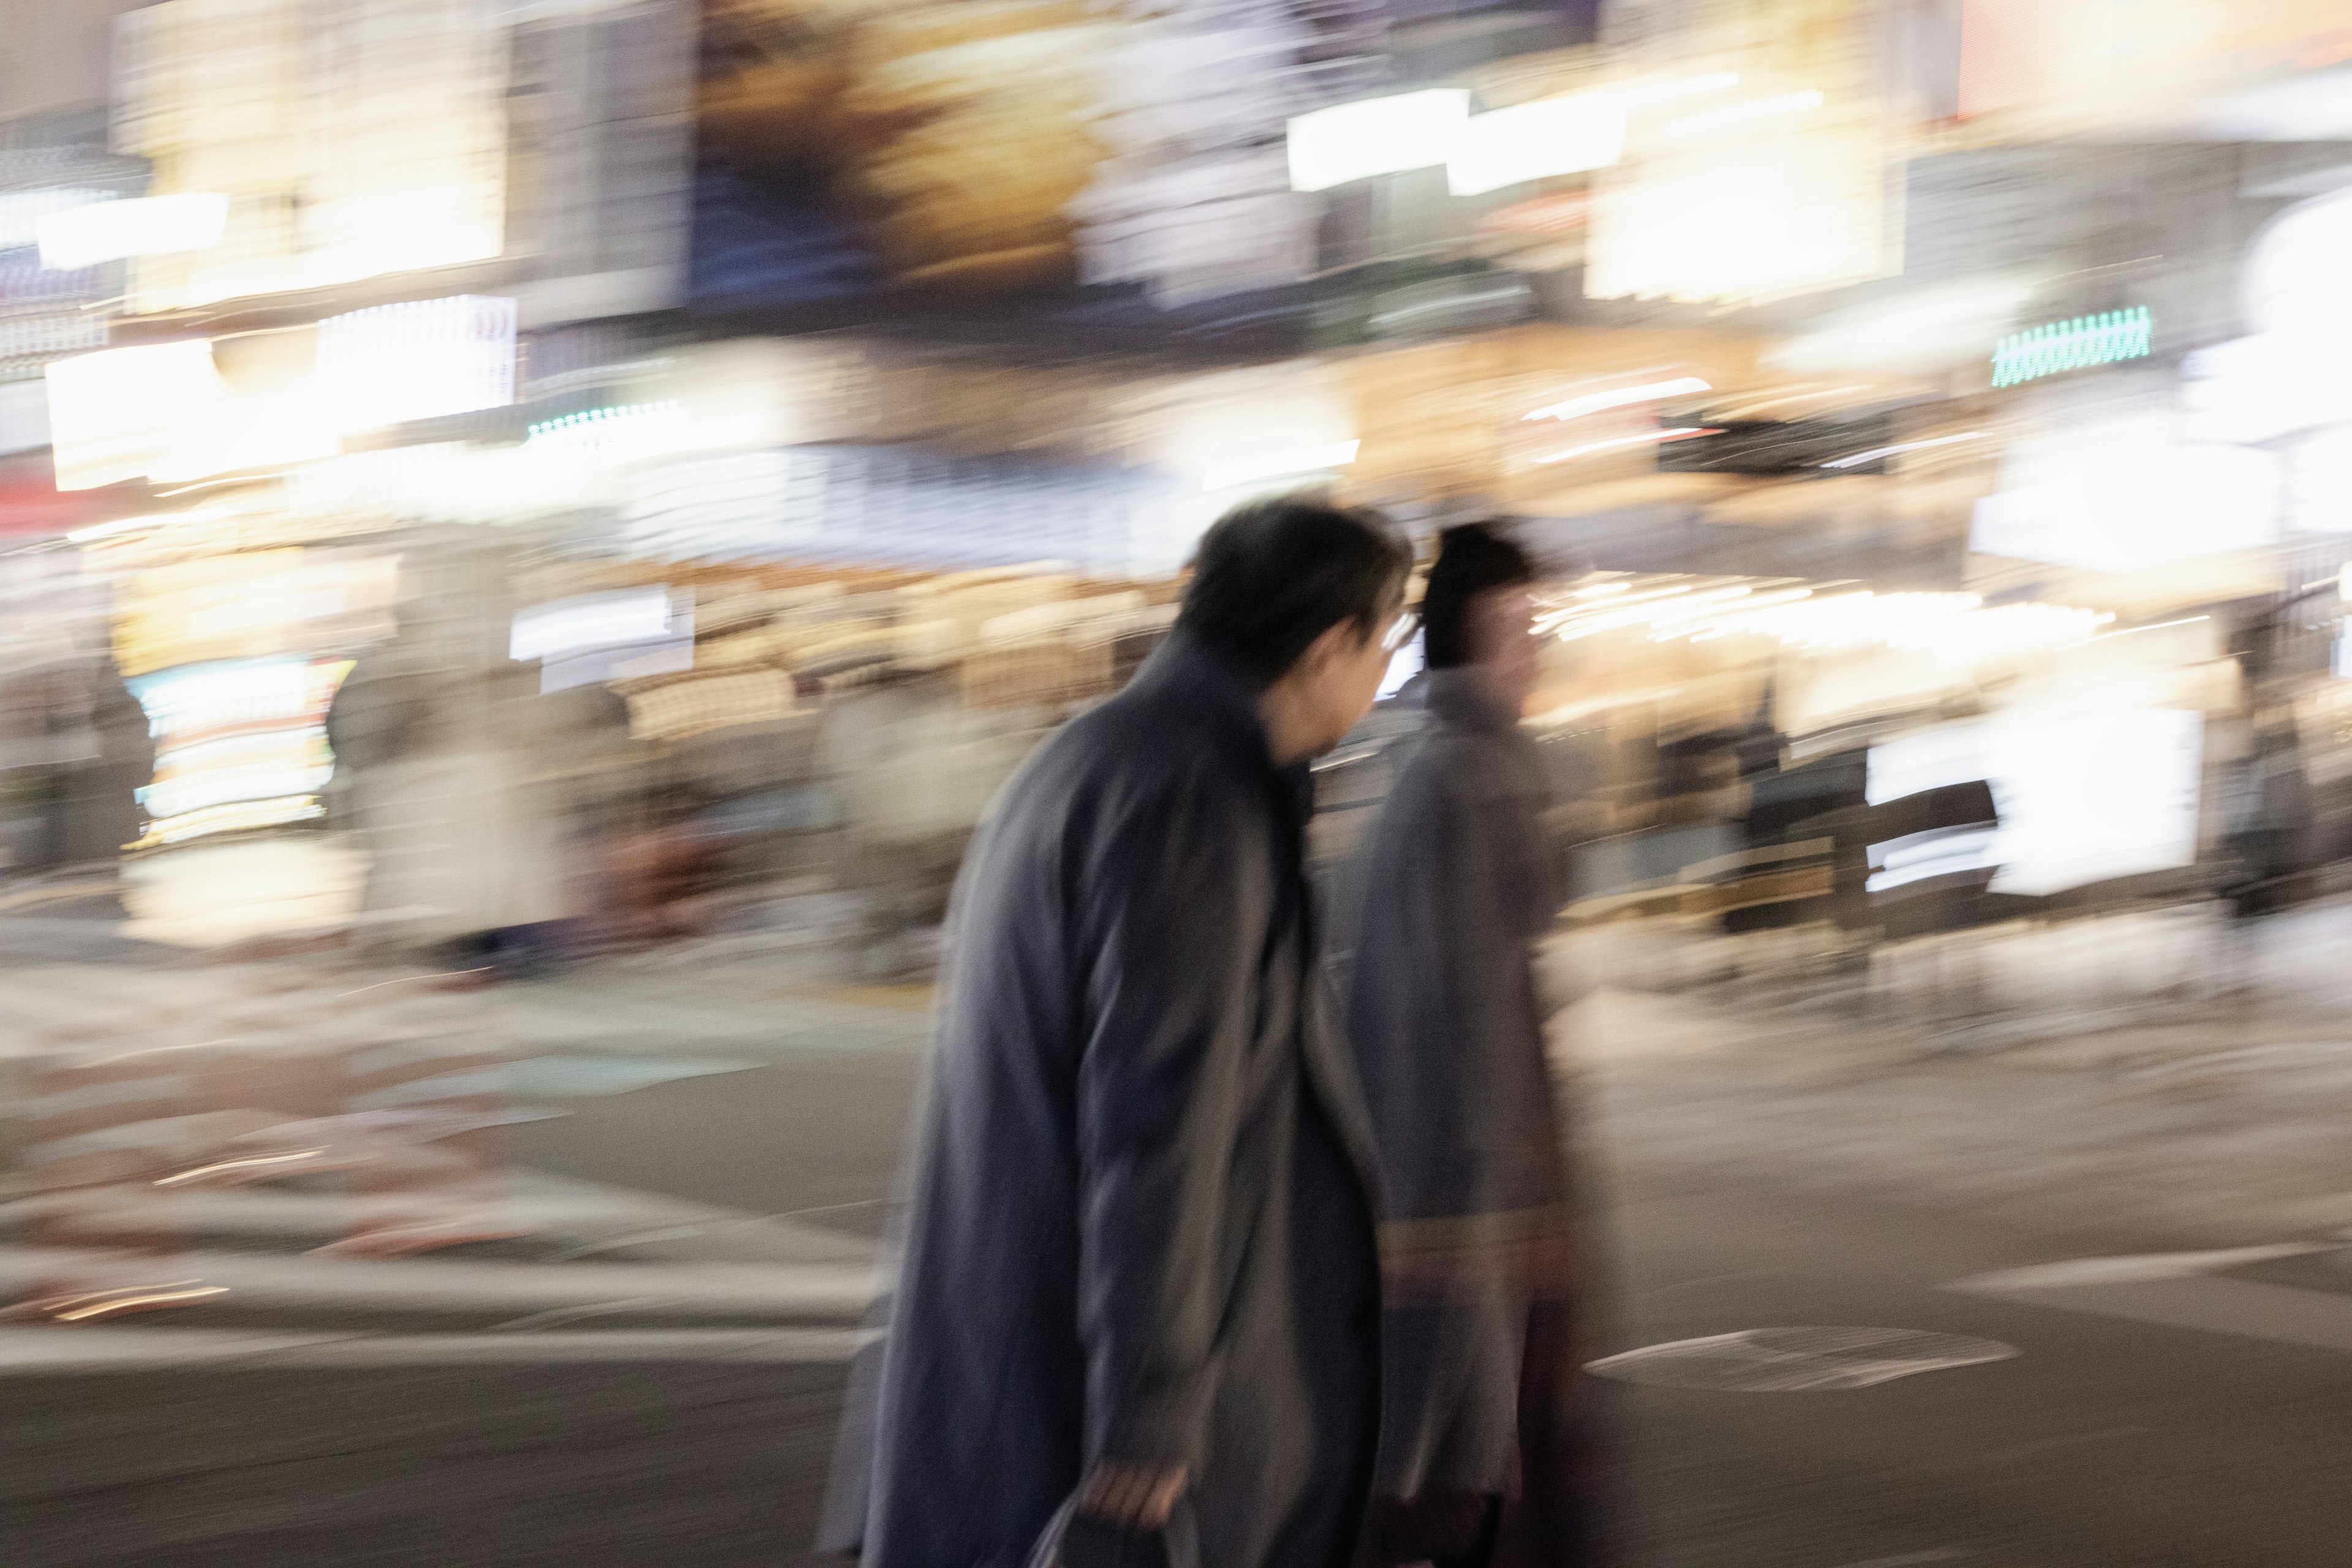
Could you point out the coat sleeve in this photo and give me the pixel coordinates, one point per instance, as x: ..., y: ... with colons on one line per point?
x: 1179, y: 914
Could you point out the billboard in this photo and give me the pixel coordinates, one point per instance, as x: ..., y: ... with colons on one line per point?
x: 857, y: 158
x: 975, y: 153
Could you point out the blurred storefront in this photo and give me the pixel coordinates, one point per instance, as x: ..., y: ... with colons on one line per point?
x: 884, y: 363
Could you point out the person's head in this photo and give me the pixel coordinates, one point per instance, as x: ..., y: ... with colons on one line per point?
x: 1478, y: 612
x: 1299, y: 596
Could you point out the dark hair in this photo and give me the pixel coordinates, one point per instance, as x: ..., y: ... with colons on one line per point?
x: 1273, y: 574
x: 1472, y: 559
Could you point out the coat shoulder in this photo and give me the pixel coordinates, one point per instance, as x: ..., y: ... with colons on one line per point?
x: 1463, y: 769
x: 1128, y: 754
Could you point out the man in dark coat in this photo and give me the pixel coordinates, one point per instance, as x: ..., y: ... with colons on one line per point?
x: 1481, y: 1453
x: 1137, y: 1309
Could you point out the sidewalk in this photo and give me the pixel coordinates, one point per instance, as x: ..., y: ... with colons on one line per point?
x: 2207, y: 1127
x: 2012, y: 984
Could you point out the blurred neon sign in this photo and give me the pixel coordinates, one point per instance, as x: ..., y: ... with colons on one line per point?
x: 2103, y: 339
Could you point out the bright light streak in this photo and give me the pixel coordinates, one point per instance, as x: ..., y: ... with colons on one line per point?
x: 2133, y: 631
x: 229, y: 749
x: 1738, y: 114
x: 1584, y: 622
x: 1298, y: 461
x: 1749, y: 409
x: 1700, y: 605
x: 1927, y: 329
x: 1674, y: 88
x: 125, y: 1303
x: 1680, y: 433
x: 1877, y: 452
x: 1376, y: 136
x: 251, y: 1162
x: 1536, y: 141
x: 86, y: 236
x: 1942, y: 855
x: 119, y: 526
x: 217, y: 785
x: 1618, y: 398
x: 238, y: 817
x: 1958, y: 628
x: 272, y: 692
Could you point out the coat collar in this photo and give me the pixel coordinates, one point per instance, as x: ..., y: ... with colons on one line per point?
x: 1188, y: 673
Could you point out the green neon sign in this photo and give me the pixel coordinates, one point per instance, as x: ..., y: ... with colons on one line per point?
x: 2102, y: 339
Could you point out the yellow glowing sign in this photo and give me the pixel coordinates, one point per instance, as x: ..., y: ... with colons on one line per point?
x: 347, y: 141
x: 1771, y: 207
x: 249, y: 605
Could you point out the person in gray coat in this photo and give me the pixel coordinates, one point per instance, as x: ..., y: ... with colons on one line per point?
x: 1136, y: 1314
x: 1483, y: 1454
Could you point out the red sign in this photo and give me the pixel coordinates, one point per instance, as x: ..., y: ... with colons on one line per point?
x: 31, y: 505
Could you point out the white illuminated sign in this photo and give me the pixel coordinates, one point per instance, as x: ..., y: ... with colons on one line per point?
x: 1376, y: 136
x: 2083, y: 797
x: 2319, y: 487
x: 592, y: 621
x: 161, y: 411
x: 2288, y: 376
x: 112, y: 414
x: 352, y: 140
x: 2126, y: 492
x: 418, y: 360
x: 1536, y: 141
x: 21, y: 212
x: 2294, y: 280
x: 113, y: 231
x: 1778, y: 204
x: 1563, y: 135
x: 1296, y: 461
x: 602, y: 637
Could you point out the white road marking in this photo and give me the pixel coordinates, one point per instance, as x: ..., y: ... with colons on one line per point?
x: 798, y: 1293
x: 35, y: 1352
x: 2138, y: 1269
x: 1798, y: 1359
x: 2250, y: 1308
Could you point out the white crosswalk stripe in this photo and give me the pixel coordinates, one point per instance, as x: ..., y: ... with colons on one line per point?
x: 2184, y: 1290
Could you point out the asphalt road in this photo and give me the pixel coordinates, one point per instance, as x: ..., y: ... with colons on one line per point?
x: 2116, y: 1436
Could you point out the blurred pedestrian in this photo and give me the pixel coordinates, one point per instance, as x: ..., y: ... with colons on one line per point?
x: 1482, y: 1452
x: 1136, y: 1317
x: 2268, y: 841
